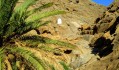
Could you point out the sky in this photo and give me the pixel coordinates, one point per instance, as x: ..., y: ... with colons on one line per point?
x: 103, y: 2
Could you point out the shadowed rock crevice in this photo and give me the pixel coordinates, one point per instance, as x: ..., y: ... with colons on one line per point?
x: 67, y: 51
x: 102, y: 46
x: 114, y: 26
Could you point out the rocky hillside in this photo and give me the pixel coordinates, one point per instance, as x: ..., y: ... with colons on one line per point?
x: 106, y: 41
x: 83, y: 10
x: 78, y: 12
x: 91, y: 27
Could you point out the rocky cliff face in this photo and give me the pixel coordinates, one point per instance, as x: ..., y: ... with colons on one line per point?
x: 78, y: 12
x: 106, y: 41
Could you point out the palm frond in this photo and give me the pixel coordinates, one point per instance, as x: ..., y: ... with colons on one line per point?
x: 0, y: 63
x: 17, y: 24
x: 28, y: 56
x: 39, y: 16
x: 1, y: 52
x: 1, y: 58
x: 39, y: 39
x: 9, y: 66
x: 17, y: 21
x: 14, y: 67
x: 46, y: 48
x: 52, y: 67
x: 6, y: 9
x: 64, y: 66
x: 24, y: 6
x: 39, y: 8
x: 9, y: 31
x: 30, y: 26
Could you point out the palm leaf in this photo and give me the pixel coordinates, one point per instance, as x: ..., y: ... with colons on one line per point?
x: 1, y: 51
x: 1, y: 57
x: 52, y: 67
x: 64, y: 66
x: 39, y: 39
x: 14, y: 67
x: 39, y: 16
x: 30, y: 26
x: 0, y: 63
x: 28, y: 56
x: 9, y: 66
x: 9, y: 31
x: 24, y: 6
x: 39, y: 8
x: 6, y: 9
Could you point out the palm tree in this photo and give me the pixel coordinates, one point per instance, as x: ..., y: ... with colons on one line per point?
x: 20, y: 52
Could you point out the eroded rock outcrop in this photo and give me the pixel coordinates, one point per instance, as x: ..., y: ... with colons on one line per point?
x: 106, y: 41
